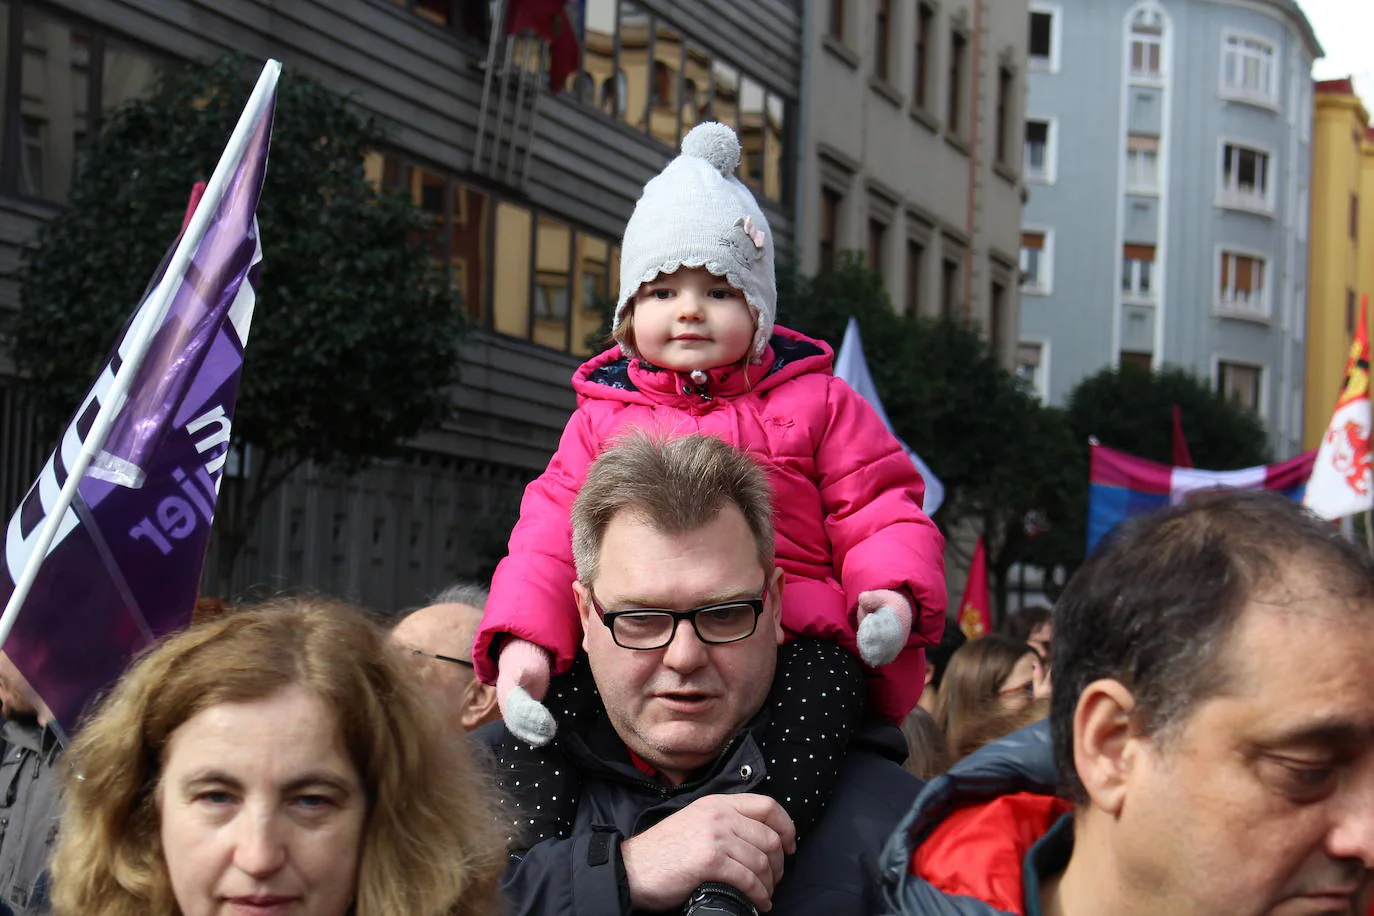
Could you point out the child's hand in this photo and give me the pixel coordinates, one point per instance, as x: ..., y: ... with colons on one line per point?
x: 522, y: 679
x: 884, y: 625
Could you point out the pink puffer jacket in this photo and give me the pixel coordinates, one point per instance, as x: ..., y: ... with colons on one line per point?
x: 847, y: 503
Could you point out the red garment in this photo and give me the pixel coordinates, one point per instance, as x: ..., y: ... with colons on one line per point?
x: 977, y: 851
x: 847, y: 504
x: 549, y: 20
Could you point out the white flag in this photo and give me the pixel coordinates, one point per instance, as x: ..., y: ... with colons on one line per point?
x: 851, y: 366
x: 1342, y: 482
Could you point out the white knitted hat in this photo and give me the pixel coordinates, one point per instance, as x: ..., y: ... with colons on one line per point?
x: 696, y: 213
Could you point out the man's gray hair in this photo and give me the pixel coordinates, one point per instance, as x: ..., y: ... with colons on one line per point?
x: 676, y: 486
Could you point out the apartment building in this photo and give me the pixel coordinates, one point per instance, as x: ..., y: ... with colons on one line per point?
x: 1341, y: 243
x: 1168, y: 160
x: 911, y: 124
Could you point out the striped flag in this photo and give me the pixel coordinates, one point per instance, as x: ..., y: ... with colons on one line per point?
x: 1122, y: 485
x: 1341, y: 478
x: 105, y: 552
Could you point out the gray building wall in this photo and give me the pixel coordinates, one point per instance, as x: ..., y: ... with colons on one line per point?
x: 1082, y: 317
x: 398, y: 532
x: 939, y: 189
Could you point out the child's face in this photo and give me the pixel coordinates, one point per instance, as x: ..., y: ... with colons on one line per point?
x: 692, y: 319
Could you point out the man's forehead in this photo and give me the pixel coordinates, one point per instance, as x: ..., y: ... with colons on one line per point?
x: 439, y: 621
x: 641, y: 559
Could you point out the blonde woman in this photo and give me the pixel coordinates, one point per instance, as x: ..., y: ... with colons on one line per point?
x: 275, y: 760
x: 992, y: 687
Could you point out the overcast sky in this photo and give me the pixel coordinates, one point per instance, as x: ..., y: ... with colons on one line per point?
x: 1345, y: 29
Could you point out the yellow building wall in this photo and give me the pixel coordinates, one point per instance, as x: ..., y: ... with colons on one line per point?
x: 1342, y: 166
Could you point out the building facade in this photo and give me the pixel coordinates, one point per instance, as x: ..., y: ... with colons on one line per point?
x: 529, y: 193
x: 1168, y: 161
x: 911, y: 152
x: 1341, y: 261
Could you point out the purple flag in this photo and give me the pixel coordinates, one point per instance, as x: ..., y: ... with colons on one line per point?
x: 125, y: 565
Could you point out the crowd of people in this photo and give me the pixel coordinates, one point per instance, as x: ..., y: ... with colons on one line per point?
x: 714, y: 675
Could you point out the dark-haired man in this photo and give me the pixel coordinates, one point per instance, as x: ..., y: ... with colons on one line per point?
x: 1212, y: 726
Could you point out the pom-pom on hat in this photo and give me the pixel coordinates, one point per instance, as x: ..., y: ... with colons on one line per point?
x: 696, y: 213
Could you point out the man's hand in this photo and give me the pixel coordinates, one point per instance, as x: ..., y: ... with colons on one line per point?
x: 884, y: 625
x: 522, y: 679
x: 734, y: 839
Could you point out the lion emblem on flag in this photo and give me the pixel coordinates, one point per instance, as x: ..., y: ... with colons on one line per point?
x: 1352, y: 458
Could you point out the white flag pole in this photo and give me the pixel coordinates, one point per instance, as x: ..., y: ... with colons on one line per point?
x: 155, y: 311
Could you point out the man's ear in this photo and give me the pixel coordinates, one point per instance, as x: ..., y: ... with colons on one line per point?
x: 478, y: 704
x: 583, y: 596
x: 774, y: 596
x: 1106, y: 744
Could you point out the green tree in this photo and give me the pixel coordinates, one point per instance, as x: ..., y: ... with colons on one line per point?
x: 354, y: 342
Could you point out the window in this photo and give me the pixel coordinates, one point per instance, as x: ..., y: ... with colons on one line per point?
x: 470, y: 19
x: 69, y: 77
x: 1241, y: 292
x: 831, y: 202
x: 955, y: 103
x: 1350, y: 313
x: 1006, y: 81
x: 882, y: 37
x: 774, y: 130
x: 1147, y: 44
x: 667, y: 92
x: 1036, y: 266
x: 837, y: 19
x: 1137, y: 359
x: 877, y: 241
x: 1137, y: 273
x: 1244, y: 178
x: 915, y: 274
x: 753, y: 136
x: 1248, y: 72
x: 925, y: 20
x: 1354, y: 217
x: 725, y: 103
x: 635, y: 70
x: 949, y: 288
x: 997, y: 316
x: 1239, y: 383
x: 1031, y: 366
x: 552, y: 283
x: 1041, y: 47
x: 1142, y: 164
x: 1038, y: 154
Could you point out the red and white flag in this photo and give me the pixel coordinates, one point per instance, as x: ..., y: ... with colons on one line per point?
x: 1342, y: 477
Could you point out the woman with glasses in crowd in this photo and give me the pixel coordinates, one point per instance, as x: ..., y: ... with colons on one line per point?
x: 274, y: 760
x: 992, y: 687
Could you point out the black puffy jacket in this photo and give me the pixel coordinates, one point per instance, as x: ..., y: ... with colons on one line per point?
x: 835, y: 869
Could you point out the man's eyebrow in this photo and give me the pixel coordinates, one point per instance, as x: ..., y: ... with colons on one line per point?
x: 1329, y: 732
x: 633, y: 602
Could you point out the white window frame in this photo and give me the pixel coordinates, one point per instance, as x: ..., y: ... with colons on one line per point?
x: 1045, y: 278
x: 1267, y: 94
x: 1040, y: 378
x: 1146, y: 39
x: 1050, y: 172
x: 1134, y: 295
x: 1262, y: 407
x: 1226, y: 305
x: 1049, y: 64
x: 1134, y: 160
x: 1231, y: 196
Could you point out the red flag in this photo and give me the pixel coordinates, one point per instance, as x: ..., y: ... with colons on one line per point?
x: 975, y: 616
x: 1182, y: 458
x: 549, y: 20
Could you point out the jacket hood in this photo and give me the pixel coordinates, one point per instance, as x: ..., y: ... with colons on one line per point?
x: 614, y: 376
x: 1021, y: 764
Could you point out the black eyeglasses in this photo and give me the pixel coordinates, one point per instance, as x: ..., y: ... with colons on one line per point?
x: 443, y: 658
x: 649, y: 628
